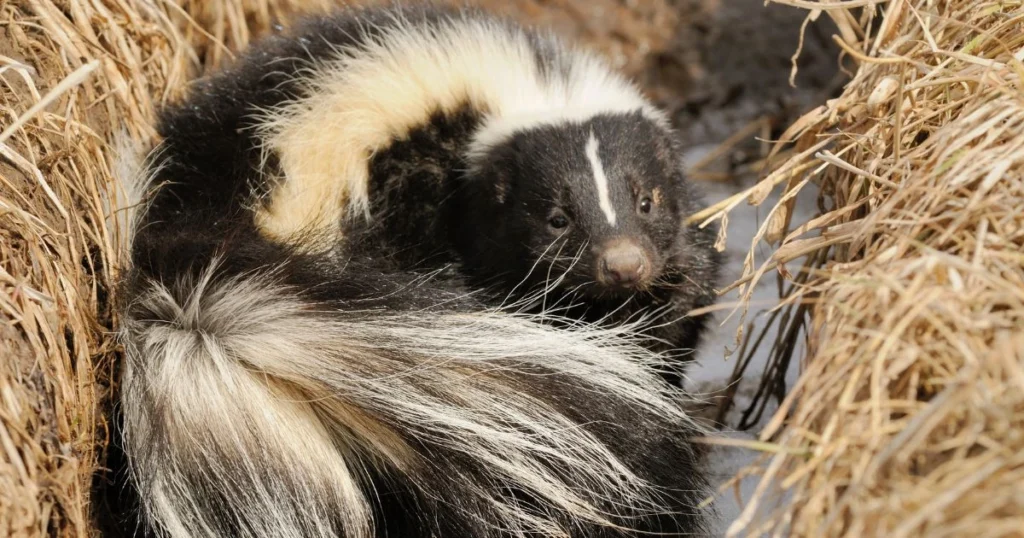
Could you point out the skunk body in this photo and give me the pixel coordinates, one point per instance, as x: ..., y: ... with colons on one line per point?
x: 298, y: 363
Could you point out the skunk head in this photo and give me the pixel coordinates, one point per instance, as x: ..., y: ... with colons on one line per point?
x: 593, y: 206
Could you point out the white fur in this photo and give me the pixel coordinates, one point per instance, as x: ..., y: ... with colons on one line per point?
x: 367, y: 97
x: 590, y: 88
x: 223, y: 416
x: 600, y: 180
x: 237, y: 385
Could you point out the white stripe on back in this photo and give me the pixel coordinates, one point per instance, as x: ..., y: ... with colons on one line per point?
x: 600, y: 179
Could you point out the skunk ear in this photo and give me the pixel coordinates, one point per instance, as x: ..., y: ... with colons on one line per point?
x: 480, y: 193
x: 488, y: 184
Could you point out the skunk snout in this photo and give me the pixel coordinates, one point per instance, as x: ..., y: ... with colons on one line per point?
x: 623, y: 263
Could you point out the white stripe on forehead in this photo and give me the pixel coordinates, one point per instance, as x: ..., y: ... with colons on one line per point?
x: 600, y: 179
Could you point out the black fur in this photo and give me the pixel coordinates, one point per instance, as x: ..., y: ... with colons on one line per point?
x: 428, y: 216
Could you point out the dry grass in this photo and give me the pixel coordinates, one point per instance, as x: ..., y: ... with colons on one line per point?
x: 72, y: 74
x: 908, y: 417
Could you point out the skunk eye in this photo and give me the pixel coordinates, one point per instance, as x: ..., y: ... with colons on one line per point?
x: 558, y: 221
x: 646, y: 204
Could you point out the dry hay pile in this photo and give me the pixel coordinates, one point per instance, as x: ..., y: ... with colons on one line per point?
x: 908, y: 417
x: 74, y: 73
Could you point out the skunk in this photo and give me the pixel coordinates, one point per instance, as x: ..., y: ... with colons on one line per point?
x: 535, y: 168
x: 294, y: 367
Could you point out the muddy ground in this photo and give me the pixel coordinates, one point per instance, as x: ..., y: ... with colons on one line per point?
x: 729, y: 63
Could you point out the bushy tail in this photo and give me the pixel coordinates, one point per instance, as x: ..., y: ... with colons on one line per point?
x: 250, y: 411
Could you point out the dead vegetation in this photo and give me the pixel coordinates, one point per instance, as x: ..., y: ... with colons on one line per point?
x: 908, y: 416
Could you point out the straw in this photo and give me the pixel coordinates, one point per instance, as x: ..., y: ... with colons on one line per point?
x: 908, y: 416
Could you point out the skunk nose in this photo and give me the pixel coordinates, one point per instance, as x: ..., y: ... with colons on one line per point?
x: 624, y: 263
